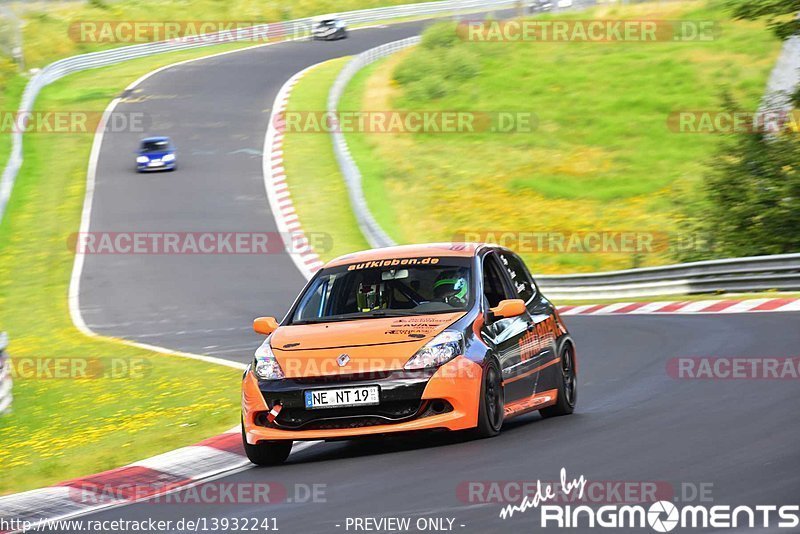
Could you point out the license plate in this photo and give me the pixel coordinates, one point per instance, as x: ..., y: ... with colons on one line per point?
x: 337, y: 398
x: 155, y: 164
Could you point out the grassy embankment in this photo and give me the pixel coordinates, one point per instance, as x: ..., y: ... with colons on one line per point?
x: 602, y: 158
x: 318, y: 191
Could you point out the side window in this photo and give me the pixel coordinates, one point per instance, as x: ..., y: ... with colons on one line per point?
x: 519, y: 275
x: 493, y: 287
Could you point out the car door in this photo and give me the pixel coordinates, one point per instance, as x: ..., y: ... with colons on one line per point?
x: 538, y: 345
x: 505, y: 336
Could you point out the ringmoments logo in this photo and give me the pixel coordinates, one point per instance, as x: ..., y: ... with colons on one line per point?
x: 663, y: 516
x: 660, y: 516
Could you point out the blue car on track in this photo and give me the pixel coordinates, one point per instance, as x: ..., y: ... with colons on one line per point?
x: 156, y: 154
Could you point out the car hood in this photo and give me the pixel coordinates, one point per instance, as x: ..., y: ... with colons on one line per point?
x: 371, y: 345
x: 159, y: 154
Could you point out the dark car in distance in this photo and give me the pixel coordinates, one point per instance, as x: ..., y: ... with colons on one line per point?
x: 329, y: 30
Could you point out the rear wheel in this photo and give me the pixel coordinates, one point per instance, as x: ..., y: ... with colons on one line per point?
x: 492, y: 407
x: 568, y: 387
x: 267, y: 453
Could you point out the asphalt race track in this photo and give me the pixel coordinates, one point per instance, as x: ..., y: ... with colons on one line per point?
x: 634, y: 422
x: 216, y: 111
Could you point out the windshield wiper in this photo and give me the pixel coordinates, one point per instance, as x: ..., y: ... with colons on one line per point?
x: 324, y: 320
x: 390, y: 313
x: 357, y: 316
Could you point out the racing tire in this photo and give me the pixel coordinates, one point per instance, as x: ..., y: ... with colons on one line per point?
x: 491, y: 412
x: 567, y: 387
x: 269, y: 453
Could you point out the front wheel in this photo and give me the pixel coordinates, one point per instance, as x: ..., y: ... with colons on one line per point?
x: 492, y: 407
x: 567, y: 388
x: 269, y: 453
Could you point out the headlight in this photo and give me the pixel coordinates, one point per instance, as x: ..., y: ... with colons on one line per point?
x: 438, y: 351
x: 168, y: 157
x: 266, y: 366
x: 142, y: 159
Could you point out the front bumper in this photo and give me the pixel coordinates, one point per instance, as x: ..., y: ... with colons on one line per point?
x: 144, y: 167
x: 327, y: 36
x: 410, y: 401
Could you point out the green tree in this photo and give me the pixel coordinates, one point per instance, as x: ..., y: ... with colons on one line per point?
x: 780, y: 14
x: 753, y: 194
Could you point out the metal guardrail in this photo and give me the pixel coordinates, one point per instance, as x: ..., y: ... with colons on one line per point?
x: 293, y: 29
x: 5, y: 376
x: 758, y: 273
x: 370, y: 228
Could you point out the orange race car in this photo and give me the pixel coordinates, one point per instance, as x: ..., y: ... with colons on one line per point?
x: 422, y: 337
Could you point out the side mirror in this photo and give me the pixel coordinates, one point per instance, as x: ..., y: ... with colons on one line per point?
x: 508, y: 308
x: 266, y: 325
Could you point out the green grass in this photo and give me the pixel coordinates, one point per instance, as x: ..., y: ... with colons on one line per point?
x: 373, y: 169
x: 318, y: 191
x: 602, y: 157
x: 64, y: 428
x: 9, y: 101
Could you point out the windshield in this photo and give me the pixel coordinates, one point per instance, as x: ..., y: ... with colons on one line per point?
x: 327, y: 22
x: 387, y: 288
x: 155, y: 146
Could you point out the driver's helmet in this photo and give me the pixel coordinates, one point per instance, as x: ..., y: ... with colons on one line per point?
x: 452, y: 287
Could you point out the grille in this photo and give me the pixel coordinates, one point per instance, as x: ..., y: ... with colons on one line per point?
x: 386, y: 413
x: 355, y: 377
x: 354, y: 417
